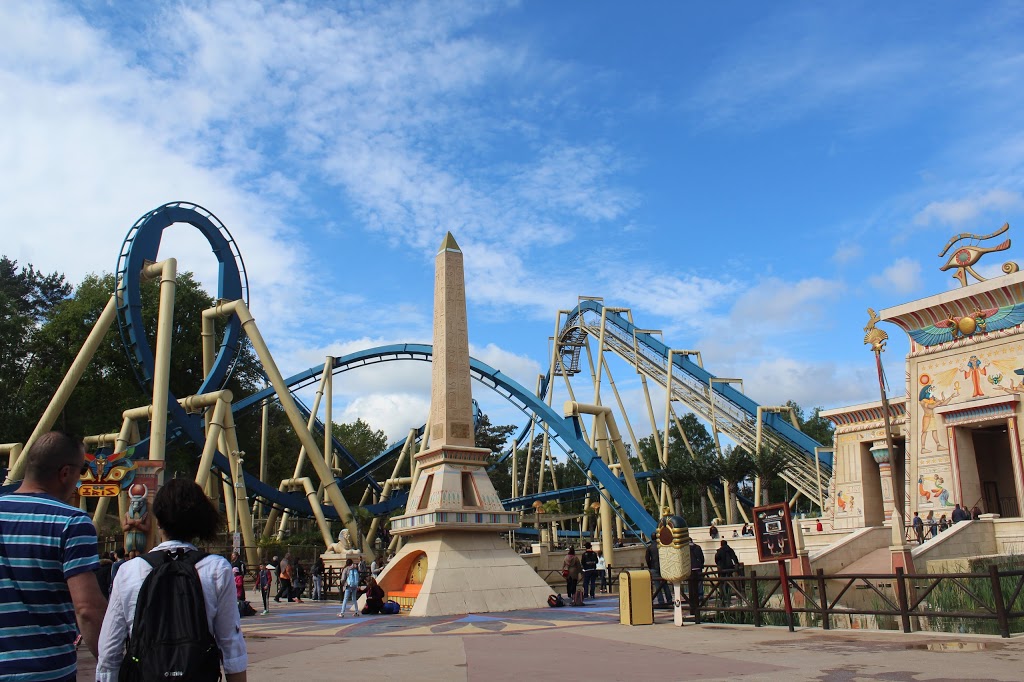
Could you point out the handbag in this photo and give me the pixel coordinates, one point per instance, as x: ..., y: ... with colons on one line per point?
x: 565, y: 573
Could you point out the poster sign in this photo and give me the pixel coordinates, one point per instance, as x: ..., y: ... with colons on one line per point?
x: 99, y: 490
x: 236, y: 542
x: 773, y: 527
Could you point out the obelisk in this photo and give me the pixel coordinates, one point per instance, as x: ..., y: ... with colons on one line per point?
x: 454, y: 560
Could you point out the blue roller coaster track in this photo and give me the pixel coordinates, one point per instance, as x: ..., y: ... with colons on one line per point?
x: 142, y: 245
x: 734, y: 413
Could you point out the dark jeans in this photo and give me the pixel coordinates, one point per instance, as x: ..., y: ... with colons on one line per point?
x: 285, y: 590
x: 662, y: 588
x: 570, y: 586
x: 590, y: 583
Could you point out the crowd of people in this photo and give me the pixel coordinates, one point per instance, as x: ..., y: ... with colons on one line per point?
x: 56, y: 592
x: 930, y: 527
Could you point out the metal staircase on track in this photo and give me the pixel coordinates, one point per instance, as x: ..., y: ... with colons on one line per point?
x: 734, y: 413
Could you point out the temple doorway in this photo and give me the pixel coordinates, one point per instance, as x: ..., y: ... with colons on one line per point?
x: 875, y: 488
x: 987, y: 479
x: 992, y: 453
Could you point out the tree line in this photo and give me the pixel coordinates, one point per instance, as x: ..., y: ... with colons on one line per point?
x: 44, y: 320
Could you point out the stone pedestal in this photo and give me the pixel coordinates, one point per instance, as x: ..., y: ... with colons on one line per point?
x: 337, y: 561
x: 444, y: 573
x: 454, y: 561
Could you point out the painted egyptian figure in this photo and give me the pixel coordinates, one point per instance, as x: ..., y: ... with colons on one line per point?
x: 136, y: 520
x: 928, y: 404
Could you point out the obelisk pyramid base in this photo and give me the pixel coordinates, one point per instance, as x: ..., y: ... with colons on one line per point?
x: 466, y: 572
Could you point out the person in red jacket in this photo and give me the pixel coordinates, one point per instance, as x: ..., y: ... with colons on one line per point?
x: 239, y: 585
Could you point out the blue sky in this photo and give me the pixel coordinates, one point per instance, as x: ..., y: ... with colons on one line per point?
x: 747, y: 177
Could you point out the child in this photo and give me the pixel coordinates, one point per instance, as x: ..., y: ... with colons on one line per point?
x: 239, y: 585
x: 264, y: 578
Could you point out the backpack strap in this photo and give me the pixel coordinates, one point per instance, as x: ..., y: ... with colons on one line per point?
x: 189, y: 556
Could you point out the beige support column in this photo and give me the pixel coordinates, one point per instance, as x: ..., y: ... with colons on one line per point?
x: 288, y: 404
x: 167, y: 271
x: 67, y: 386
x: 328, y: 408
x: 215, y: 427
x: 318, y: 512
x: 264, y: 426
x: 385, y: 493
x: 730, y: 503
x: 608, y: 432
x: 13, y: 451
x: 229, y: 493
x: 120, y: 445
x: 241, y: 499
x: 629, y: 427
x: 301, y: 461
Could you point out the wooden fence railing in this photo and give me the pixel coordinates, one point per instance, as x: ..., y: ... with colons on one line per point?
x: 994, y: 596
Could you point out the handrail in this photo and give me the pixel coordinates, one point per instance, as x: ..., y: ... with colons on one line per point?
x: 905, y: 597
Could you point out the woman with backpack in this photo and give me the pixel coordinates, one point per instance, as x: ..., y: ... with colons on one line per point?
x: 350, y: 583
x: 571, y: 570
x: 146, y: 601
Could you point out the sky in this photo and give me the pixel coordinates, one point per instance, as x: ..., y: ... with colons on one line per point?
x: 746, y: 177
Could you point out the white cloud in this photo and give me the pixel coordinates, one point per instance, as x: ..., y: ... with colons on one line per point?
x: 676, y: 296
x: 522, y: 369
x: 775, y: 380
x: 960, y: 212
x: 789, y: 65
x: 393, y: 413
x: 903, y: 276
x: 847, y: 253
x: 774, y: 304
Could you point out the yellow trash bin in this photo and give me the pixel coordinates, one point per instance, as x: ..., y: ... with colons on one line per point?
x: 635, y: 597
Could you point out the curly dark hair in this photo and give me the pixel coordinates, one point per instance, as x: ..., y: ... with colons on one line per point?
x: 184, y: 512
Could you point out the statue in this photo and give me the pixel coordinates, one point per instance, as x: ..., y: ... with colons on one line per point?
x: 343, y: 545
x: 136, y: 521
x: 673, y: 544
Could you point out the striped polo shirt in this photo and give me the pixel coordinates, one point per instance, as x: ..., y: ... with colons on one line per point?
x: 43, y: 542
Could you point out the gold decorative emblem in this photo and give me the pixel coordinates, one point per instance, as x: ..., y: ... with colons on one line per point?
x: 673, y: 540
x: 965, y: 257
x: 874, y: 336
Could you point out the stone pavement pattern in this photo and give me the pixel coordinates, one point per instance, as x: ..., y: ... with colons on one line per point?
x: 309, y: 642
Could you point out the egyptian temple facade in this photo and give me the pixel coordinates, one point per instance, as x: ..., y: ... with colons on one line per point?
x: 956, y: 429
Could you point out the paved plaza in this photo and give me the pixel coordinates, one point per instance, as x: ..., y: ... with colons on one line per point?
x: 309, y: 642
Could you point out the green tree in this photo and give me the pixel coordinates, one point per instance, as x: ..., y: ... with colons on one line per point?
x: 361, y: 440
x: 684, y: 472
x: 817, y: 427
x: 491, y: 436
x: 735, y: 465
x: 27, y: 299
x: 494, y: 438
x: 768, y: 465
x: 109, y: 385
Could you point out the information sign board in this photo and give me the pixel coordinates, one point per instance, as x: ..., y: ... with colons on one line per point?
x: 773, y: 527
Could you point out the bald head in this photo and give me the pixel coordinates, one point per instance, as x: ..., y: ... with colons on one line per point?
x: 50, y: 454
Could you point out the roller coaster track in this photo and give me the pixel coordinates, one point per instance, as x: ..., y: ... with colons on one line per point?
x: 734, y: 413
x: 141, y: 247
x: 564, y: 432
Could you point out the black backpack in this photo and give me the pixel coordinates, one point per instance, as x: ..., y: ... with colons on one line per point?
x: 171, y: 637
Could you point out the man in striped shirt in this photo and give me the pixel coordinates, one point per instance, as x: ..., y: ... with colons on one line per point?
x: 47, y: 567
